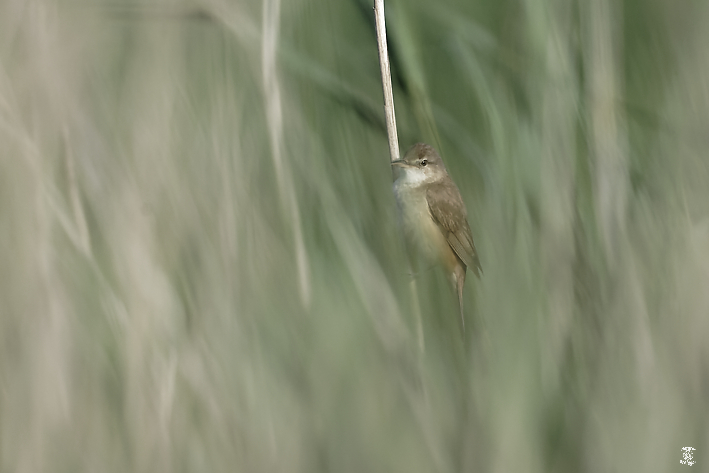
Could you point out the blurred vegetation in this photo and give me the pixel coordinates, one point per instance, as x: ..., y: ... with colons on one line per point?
x: 201, y: 269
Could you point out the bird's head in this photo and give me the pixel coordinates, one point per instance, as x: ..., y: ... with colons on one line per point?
x: 421, y: 165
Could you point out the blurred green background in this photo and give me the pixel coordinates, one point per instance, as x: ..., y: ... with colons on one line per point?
x: 201, y: 268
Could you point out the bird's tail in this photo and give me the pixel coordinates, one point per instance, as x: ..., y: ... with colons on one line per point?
x: 460, y: 283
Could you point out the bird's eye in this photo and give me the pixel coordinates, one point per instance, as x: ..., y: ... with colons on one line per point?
x: 424, y: 162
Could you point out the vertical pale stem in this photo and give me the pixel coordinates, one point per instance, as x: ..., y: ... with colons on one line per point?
x: 386, y: 80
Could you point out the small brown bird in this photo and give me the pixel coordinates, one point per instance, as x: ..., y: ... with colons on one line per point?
x: 433, y: 216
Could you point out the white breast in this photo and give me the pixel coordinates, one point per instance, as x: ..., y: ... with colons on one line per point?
x: 418, y: 226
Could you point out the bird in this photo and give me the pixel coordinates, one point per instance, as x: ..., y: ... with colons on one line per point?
x: 433, y: 216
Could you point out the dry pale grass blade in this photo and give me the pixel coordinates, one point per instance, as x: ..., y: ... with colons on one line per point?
x: 602, y: 27
x: 274, y: 114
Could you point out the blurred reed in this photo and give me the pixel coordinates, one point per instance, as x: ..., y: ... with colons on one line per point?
x: 201, y: 269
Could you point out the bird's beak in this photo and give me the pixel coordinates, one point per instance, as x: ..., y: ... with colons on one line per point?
x: 400, y: 163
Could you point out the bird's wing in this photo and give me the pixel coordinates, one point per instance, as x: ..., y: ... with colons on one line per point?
x: 448, y: 211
